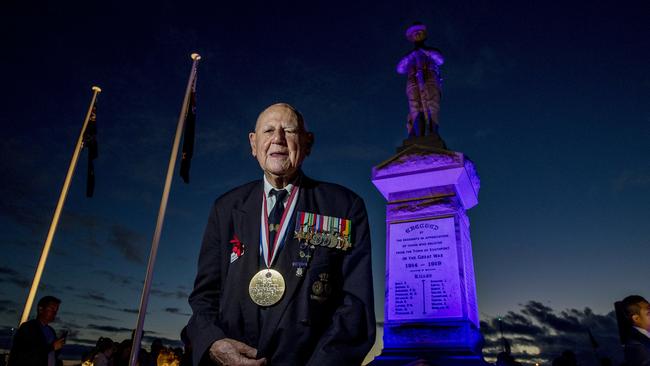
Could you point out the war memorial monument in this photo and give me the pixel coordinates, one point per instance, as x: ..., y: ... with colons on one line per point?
x: 431, y: 313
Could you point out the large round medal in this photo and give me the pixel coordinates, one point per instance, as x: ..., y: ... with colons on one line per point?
x: 266, y: 287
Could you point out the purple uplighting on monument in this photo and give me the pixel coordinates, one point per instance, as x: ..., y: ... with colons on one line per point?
x: 417, y: 271
x: 430, y: 307
x: 430, y: 303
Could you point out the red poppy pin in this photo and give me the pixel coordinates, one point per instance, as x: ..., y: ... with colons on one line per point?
x: 237, y: 248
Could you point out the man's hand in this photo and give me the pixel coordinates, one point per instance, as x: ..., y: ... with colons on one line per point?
x: 58, y: 344
x: 229, y: 352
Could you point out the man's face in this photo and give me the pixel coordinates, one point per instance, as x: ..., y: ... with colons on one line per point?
x: 642, y: 320
x: 280, y: 143
x: 47, y: 314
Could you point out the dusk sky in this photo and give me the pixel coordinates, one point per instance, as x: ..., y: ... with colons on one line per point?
x: 551, y: 101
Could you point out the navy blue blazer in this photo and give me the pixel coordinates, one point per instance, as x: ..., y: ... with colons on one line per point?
x: 298, y: 330
x: 637, y: 349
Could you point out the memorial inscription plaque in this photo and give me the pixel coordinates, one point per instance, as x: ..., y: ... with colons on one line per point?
x: 423, y: 272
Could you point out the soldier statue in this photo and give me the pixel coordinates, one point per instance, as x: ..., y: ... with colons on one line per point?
x: 423, y: 85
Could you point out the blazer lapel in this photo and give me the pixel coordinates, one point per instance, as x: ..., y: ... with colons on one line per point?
x: 246, y: 223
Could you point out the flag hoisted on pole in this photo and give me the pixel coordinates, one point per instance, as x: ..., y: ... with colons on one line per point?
x: 188, y: 135
x: 90, y: 142
x: 137, y: 334
x: 59, y: 208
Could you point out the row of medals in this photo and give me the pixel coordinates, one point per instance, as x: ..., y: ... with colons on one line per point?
x: 267, y: 286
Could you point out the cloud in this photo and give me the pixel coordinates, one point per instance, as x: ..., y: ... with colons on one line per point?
x: 176, y: 311
x: 97, y: 298
x: 23, y: 243
x: 130, y: 311
x: 73, y: 329
x: 8, y: 275
x: 512, y: 323
x: 538, y: 333
x: 74, y: 221
x: 25, y: 215
x: 97, y: 317
x: 178, y: 294
x: 29, y: 204
x: 565, y: 322
x: 128, y: 242
x: 84, y: 228
x: 8, y: 306
x: 108, y: 328
x: 81, y: 341
x: 115, y: 278
x: 119, y: 309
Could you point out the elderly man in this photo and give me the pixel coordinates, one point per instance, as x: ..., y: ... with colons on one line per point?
x: 284, y: 272
x: 35, y: 343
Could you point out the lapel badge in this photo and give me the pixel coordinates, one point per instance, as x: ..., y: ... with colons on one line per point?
x: 321, y: 289
x: 237, y: 248
x: 300, y: 268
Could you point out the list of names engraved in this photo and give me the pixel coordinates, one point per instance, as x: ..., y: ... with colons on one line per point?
x: 423, y: 276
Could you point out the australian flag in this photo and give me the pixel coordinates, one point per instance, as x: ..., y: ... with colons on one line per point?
x: 188, y: 135
x: 90, y: 142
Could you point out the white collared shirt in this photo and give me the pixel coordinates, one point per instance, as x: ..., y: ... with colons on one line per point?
x: 270, y: 199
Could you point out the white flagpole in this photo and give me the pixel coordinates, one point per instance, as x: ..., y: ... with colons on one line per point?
x: 137, y: 336
x: 57, y: 211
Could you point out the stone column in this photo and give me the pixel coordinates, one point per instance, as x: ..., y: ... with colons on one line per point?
x: 430, y: 310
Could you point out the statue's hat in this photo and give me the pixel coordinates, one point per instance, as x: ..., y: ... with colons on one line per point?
x: 415, y: 27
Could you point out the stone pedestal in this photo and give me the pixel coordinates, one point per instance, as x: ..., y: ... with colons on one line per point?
x: 430, y: 309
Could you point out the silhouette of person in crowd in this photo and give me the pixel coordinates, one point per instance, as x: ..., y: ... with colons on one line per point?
x: 156, y: 347
x: 633, y: 315
x: 506, y: 359
x: 568, y: 358
x: 122, y: 353
x: 35, y: 342
x: 104, y: 348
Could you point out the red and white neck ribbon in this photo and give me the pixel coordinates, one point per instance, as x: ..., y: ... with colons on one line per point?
x: 270, y: 250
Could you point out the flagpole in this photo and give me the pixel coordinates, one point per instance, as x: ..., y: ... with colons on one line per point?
x: 137, y: 336
x: 57, y: 211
